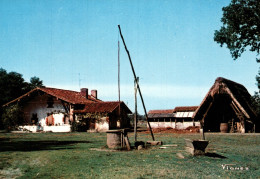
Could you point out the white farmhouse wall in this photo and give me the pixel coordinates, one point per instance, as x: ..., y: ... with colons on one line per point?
x: 58, y: 119
x: 38, y: 106
x: 102, y: 125
x: 64, y: 128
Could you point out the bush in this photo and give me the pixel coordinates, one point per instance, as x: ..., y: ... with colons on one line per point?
x: 12, y: 117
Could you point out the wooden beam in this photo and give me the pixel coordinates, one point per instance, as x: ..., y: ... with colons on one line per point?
x: 135, y: 78
x: 210, y: 105
x: 128, y: 146
x: 237, y: 103
x: 65, y: 107
x: 205, y: 114
x: 236, y: 110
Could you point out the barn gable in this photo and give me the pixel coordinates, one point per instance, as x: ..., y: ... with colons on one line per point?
x: 226, y: 102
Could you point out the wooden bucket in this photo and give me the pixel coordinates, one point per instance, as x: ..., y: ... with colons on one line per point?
x: 224, y: 127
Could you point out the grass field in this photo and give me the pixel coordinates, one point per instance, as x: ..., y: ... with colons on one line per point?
x: 82, y: 155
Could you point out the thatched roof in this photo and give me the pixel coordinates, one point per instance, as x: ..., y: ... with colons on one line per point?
x: 239, y: 98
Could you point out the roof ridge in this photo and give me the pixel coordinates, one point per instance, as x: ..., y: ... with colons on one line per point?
x: 186, y: 106
x: 222, y: 79
x: 58, y: 89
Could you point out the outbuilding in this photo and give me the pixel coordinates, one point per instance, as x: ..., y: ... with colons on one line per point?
x: 180, y: 117
x: 103, y: 116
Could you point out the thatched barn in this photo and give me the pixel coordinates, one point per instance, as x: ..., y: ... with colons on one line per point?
x: 227, y: 107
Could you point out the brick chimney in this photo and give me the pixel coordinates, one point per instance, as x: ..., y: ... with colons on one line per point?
x: 94, y: 93
x: 84, y: 92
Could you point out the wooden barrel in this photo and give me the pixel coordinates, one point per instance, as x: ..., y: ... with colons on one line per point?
x: 224, y: 127
x: 114, y: 139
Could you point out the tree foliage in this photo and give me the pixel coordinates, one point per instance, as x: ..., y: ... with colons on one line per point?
x: 241, y: 31
x: 12, y: 117
x: 241, y: 27
x: 256, y: 102
x: 35, y: 82
x: 12, y: 85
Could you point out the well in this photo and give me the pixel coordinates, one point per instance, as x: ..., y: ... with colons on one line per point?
x: 115, y: 139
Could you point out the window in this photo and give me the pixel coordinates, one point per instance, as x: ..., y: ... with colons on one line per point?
x: 34, y: 118
x: 50, y: 102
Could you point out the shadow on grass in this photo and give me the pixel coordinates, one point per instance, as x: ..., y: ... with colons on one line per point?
x: 12, y: 145
x: 215, y: 155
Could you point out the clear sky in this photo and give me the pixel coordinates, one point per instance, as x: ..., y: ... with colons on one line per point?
x: 71, y: 44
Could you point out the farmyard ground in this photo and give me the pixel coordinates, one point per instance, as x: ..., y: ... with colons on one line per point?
x: 83, y: 155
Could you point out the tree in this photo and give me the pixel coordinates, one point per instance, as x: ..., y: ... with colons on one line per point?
x: 34, y: 83
x: 241, y: 27
x: 241, y: 31
x: 12, y: 117
x: 12, y: 85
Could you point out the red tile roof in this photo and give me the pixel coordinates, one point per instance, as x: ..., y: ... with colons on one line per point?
x: 103, y: 107
x: 69, y: 96
x: 65, y: 95
x: 166, y: 111
x: 185, y: 108
x: 176, y: 109
x: 170, y: 112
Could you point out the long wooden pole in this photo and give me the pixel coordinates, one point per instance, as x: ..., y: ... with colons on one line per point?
x: 119, y: 113
x: 138, y: 87
x: 135, y: 116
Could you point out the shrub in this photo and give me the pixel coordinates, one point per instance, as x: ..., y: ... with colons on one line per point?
x: 12, y: 117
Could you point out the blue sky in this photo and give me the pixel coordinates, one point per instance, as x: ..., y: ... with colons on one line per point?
x: 71, y: 44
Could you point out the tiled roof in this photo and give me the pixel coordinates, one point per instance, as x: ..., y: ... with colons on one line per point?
x: 160, y: 115
x: 170, y: 112
x: 166, y: 111
x: 103, y: 107
x: 185, y: 108
x: 69, y: 96
x: 65, y: 95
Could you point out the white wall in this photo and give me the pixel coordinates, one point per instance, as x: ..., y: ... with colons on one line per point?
x: 38, y: 105
x: 102, y: 125
x: 179, y: 125
x: 64, y: 128
x: 162, y: 124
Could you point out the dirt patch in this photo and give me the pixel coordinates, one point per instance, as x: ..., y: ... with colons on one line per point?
x: 10, y: 173
x: 171, y: 130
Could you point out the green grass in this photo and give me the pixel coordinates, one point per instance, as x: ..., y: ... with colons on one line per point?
x: 70, y: 155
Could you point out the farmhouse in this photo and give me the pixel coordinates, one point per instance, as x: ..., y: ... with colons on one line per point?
x: 226, y: 108
x: 103, y: 116
x: 177, y: 118
x: 51, y: 109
